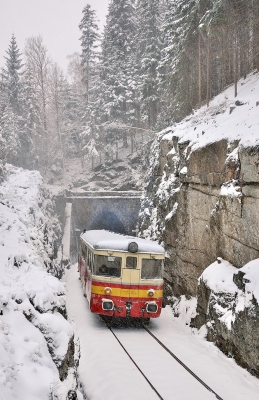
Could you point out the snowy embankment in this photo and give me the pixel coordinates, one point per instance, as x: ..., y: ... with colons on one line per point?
x: 227, y: 117
x: 34, y: 335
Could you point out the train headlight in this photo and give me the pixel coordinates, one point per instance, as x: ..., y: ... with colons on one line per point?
x: 133, y: 247
x: 150, y: 292
x: 151, y: 307
x: 107, y: 291
x: 107, y: 305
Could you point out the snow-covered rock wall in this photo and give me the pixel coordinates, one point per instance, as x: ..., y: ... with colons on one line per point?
x: 202, y: 189
x: 36, y: 341
x: 228, y: 303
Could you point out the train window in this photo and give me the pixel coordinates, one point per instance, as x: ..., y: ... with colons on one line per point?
x: 90, y: 260
x: 131, y: 262
x: 107, y: 266
x: 151, y: 268
x: 84, y: 251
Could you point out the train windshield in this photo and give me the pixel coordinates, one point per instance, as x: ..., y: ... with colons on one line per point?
x: 107, y: 266
x: 151, y: 268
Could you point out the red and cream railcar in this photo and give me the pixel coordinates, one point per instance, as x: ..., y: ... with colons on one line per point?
x: 122, y: 276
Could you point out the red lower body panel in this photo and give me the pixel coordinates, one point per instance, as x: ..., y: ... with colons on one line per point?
x: 125, y: 307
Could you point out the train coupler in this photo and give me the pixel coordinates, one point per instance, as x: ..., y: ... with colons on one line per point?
x: 128, y: 308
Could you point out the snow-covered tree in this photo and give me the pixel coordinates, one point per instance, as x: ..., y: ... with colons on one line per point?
x: 10, y: 109
x: 76, y: 109
x: 31, y: 120
x: 117, y: 63
x: 38, y: 61
x: 57, y: 113
x: 9, y: 135
x: 89, y: 44
x: 12, y: 72
x: 148, y: 55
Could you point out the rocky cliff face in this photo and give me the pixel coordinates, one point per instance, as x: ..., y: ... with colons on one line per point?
x: 205, y: 204
x: 201, y: 200
x: 228, y: 305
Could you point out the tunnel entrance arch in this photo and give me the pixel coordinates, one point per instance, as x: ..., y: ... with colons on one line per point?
x: 109, y: 221
x: 116, y: 211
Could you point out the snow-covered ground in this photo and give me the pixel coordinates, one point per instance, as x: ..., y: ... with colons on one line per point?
x: 30, y: 325
x: 235, y: 118
x: 106, y: 371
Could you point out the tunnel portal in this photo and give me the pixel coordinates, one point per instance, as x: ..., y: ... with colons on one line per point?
x: 109, y: 221
x: 114, y: 211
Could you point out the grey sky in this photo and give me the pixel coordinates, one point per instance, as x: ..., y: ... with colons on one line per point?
x: 56, y: 20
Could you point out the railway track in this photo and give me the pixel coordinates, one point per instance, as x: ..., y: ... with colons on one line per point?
x: 184, y: 382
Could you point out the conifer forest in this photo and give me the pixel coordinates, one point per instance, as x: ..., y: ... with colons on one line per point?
x: 155, y: 62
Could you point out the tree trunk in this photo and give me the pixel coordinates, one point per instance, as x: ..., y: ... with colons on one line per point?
x: 255, y: 37
x: 199, y: 70
x: 208, y: 67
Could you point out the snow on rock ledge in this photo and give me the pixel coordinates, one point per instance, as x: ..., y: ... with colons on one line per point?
x: 228, y: 303
x: 36, y: 341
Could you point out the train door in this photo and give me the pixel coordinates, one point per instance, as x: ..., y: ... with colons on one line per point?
x: 130, y: 282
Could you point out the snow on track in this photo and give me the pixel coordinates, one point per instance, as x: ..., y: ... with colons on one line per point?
x: 218, y: 371
x: 169, y: 378
x: 107, y: 372
x: 104, y: 368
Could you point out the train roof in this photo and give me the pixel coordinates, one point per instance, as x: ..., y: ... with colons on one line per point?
x: 106, y: 240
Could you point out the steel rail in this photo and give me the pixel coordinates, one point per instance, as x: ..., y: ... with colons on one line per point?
x: 181, y: 363
x: 136, y: 365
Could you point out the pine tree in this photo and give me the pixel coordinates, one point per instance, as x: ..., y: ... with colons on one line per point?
x: 11, y: 122
x: 149, y: 53
x: 9, y: 135
x: 185, y: 63
x: 117, y: 65
x: 89, y: 44
x: 30, y: 109
x: 13, y: 73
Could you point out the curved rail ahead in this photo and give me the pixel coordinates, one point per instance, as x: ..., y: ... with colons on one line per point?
x: 171, y: 354
x: 182, y: 364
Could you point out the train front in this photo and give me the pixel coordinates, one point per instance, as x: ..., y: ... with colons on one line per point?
x: 127, y: 280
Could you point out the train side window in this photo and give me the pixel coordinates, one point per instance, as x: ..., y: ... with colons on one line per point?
x: 131, y: 262
x: 90, y: 260
x: 107, y: 266
x: 84, y: 251
x: 151, y: 268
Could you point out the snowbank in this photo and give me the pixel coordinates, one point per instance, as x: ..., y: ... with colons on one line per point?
x: 222, y: 277
x: 227, y: 117
x: 228, y: 303
x: 34, y: 336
